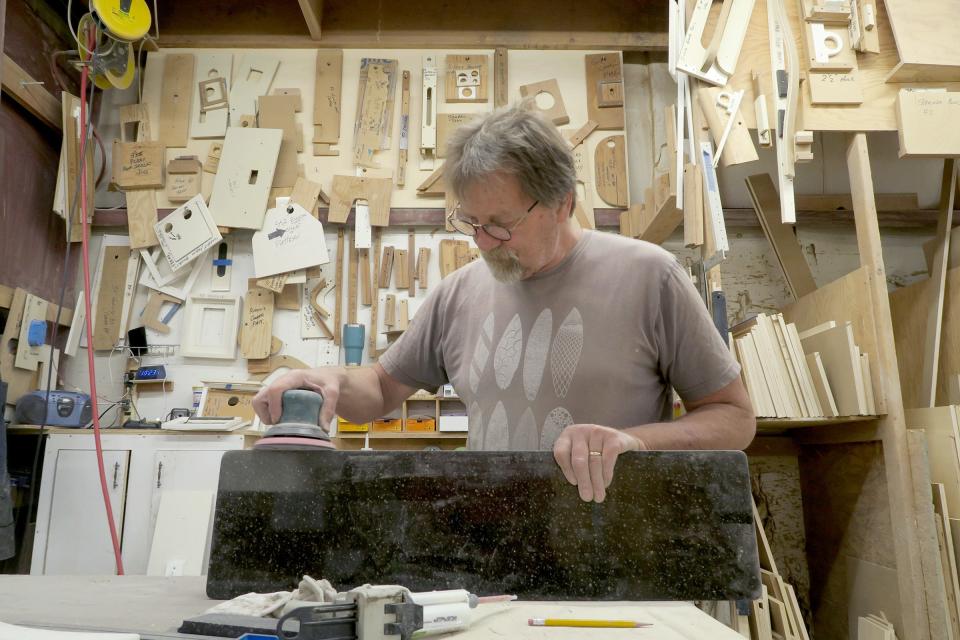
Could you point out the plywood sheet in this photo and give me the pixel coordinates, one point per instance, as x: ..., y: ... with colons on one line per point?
x: 242, y: 185
x: 927, y: 124
x: 927, y: 33
x: 109, y: 303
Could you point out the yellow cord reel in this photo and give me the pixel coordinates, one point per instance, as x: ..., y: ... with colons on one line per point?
x: 117, y: 24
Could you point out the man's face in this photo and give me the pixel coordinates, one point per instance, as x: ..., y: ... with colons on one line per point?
x: 533, y: 244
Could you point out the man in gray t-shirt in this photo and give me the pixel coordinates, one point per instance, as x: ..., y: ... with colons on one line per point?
x: 559, y: 338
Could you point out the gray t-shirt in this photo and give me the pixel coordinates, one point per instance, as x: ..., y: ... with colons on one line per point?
x: 598, y: 339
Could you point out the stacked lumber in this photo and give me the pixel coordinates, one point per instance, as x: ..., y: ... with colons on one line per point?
x: 816, y: 373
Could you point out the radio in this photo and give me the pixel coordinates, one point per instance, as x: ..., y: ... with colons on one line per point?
x: 65, y: 409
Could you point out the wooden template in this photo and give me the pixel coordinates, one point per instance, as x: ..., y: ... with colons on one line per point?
x: 290, y: 239
x: 403, y: 147
x: 428, y: 114
x: 716, y: 62
x: 403, y: 314
x: 184, y: 178
x: 926, y: 123
x: 557, y: 111
x: 353, y: 278
x: 326, y: 101
x: 433, y: 186
x: 692, y: 206
x: 583, y: 210
x: 411, y: 262
x: 828, y: 48
x: 500, y: 77
x: 766, y: 204
x: 312, y: 321
x: 151, y: 313
x: 390, y: 311
x: 610, y: 166
x: 141, y: 204
x: 109, y: 301
x: 187, y: 233
x: 375, y: 302
x: 211, y: 123
x: 157, y: 275
x: 374, y: 118
x: 213, y: 94
x: 738, y: 146
x: 306, y: 193
x: 386, y: 267
x: 212, y: 163
x: 255, y: 74
x: 347, y: 189
x: 279, y: 112
x: 138, y: 165
x: 401, y: 270
x: 222, y: 311
x: 34, y: 310
x: 423, y: 267
x: 272, y: 283
x: 175, y: 99
x: 605, y: 90
x: 581, y: 134
x: 466, y: 78
x: 366, y: 291
x: 19, y: 381
x: 241, y: 187
x: 256, y: 328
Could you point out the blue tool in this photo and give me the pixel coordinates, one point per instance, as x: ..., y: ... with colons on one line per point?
x: 37, y: 333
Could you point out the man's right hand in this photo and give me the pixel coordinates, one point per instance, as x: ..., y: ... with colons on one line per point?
x: 324, y: 380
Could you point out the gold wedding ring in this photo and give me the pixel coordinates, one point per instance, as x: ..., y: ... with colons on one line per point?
x: 596, y: 453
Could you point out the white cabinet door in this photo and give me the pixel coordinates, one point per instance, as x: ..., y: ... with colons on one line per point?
x: 78, y: 538
x: 183, y: 496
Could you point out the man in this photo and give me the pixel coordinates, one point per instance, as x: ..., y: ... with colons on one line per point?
x: 560, y: 338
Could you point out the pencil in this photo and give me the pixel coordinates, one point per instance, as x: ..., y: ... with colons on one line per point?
x: 609, y: 624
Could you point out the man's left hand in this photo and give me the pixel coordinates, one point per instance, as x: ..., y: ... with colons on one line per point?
x: 587, y: 454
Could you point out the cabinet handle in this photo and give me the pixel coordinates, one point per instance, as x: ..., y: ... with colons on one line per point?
x: 159, y: 473
x: 116, y: 473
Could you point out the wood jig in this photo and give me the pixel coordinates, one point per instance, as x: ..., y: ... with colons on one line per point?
x: 184, y: 178
x: 466, y: 78
x: 210, y: 112
x: 347, y: 189
x: 428, y: 114
x: 404, y: 144
x: 290, y: 239
x: 553, y: 107
x: 187, y: 233
x: 254, y: 77
x: 176, y: 96
x: 326, y: 102
x: 716, y: 62
x: 241, y: 187
x: 279, y: 112
x: 141, y: 203
x: 256, y: 328
x: 210, y: 327
x: 610, y: 166
x: 374, y: 120
x: 605, y: 90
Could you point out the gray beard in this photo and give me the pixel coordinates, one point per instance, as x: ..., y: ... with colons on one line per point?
x: 503, y: 265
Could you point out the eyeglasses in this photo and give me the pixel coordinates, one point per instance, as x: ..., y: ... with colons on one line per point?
x: 495, y: 231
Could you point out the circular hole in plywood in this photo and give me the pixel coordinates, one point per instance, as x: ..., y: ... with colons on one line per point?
x: 233, y: 401
x: 168, y: 227
x: 187, y: 214
x: 611, y: 144
x: 209, y: 91
x: 213, y: 73
x: 544, y: 101
x: 467, y: 92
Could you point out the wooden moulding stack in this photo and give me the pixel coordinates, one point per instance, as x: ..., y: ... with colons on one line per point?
x: 816, y: 373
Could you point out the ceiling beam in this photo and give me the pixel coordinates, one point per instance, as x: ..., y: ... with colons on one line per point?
x: 30, y: 94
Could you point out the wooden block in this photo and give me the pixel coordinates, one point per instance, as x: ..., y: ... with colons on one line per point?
x: 386, y: 267
x: 926, y: 34
x: 401, y: 272
x: 658, y: 221
x: 581, y: 134
x: 19, y: 381
x: 273, y: 283
x: 465, y: 253
x: 34, y: 310
x: 738, y: 149
x: 423, y: 267
x: 555, y: 112
x: 212, y: 162
x: 176, y: 94
x: 605, y: 79
x: 242, y: 184
x: 766, y: 204
x: 433, y: 185
x: 184, y: 178
x: 256, y: 330
x: 447, y: 123
x: 109, y: 304
x: 366, y: 292
x: 403, y: 315
x: 448, y: 257
x: 347, y: 189
x: 390, y: 311
x: 326, y: 100
x: 500, y: 75
x: 610, y: 165
x: 138, y: 165
x: 411, y: 263
x: 831, y: 37
x: 466, y: 78
x: 834, y: 88
x: 926, y: 123
x: 288, y: 298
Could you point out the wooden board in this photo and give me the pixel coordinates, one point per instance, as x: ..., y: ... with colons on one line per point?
x: 423, y: 267
x: 256, y: 330
x: 187, y: 233
x: 846, y: 299
x: 834, y: 88
x: 338, y: 289
x: 175, y: 100
x: 353, y: 279
x: 279, y: 112
x: 70, y: 150
x: 109, y: 302
x: 401, y: 271
x: 940, y: 427
x: 610, y: 166
x: 692, y: 206
x: 738, y: 148
x: 842, y: 365
x: 138, y: 165
x: 411, y: 262
x: 821, y: 384
x: 766, y: 204
x: 151, y: 313
x: 926, y: 124
x: 20, y: 381
x: 326, y: 100
x: 948, y: 558
x: 306, y: 193
x: 372, y: 113
x: 255, y: 74
x: 141, y: 204
x: 500, y: 76
x: 604, y: 74
x: 926, y: 33
x: 346, y: 189
x: 34, y: 310
x: 242, y: 184
x: 557, y: 111
x: 466, y: 78
x: 211, y: 122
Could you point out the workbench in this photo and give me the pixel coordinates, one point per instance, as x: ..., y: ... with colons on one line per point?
x: 155, y: 606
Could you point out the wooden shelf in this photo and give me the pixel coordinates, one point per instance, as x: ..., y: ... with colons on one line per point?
x: 405, y: 435
x: 780, y: 424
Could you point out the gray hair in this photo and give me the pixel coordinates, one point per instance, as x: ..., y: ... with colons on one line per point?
x: 517, y: 140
